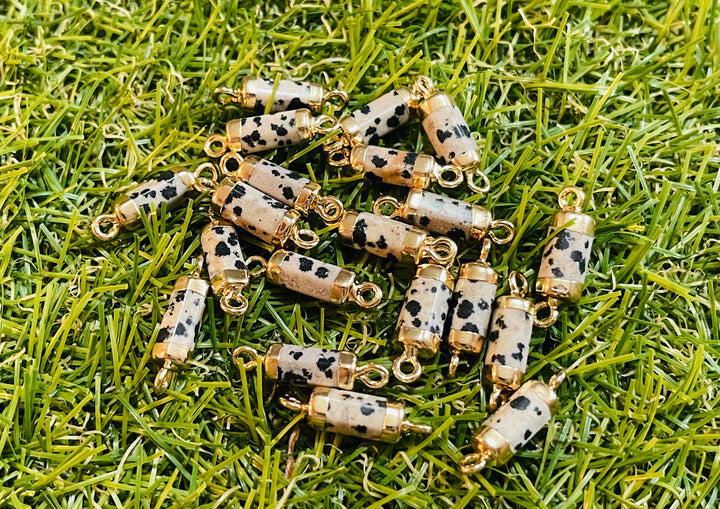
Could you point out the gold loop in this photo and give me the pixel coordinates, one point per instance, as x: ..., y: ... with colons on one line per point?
x: 305, y: 239
x: 454, y: 362
x: 387, y: 200
x: 423, y: 86
x: 249, y: 352
x: 565, y: 196
x: 98, y: 223
x: 363, y: 374
x: 473, y: 463
x: 470, y: 180
x: 212, y: 140
x: 415, y: 427
x: 203, y: 184
x: 231, y: 155
x: 260, y: 270
x: 518, y: 284
x: 340, y: 95
x: 506, y: 226
x: 441, y: 250
x: 557, y: 379
x: 293, y: 404
x: 551, y: 306
x: 407, y: 357
x: 226, y: 95
x: 164, y: 377
x: 357, y: 292
x: 498, y: 397
x: 233, y: 293
x: 485, y: 251
x: 448, y: 183
x: 330, y: 209
x: 319, y: 128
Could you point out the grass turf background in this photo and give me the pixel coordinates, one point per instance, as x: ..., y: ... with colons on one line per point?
x: 618, y: 97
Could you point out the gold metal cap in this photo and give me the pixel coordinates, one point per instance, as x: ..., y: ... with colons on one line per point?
x: 437, y: 272
x: 504, y: 376
x: 341, y: 287
x: 580, y: 223
x: 424, y: 341
x: 548, y: 395
x: 174, y: 352
x: 476, y: 271
x: 271, y: 360
x: 192, y: 284
x: 491, y: 441
x: 434, y: 102
x: 393, y: 425
x: 513, y: 302
x: 466, y: 341
x: 219, y: 197
x: 347, y: 363
x: 559, y: 288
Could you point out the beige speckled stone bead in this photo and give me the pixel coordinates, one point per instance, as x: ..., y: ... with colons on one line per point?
x: 267, y: 132
x: 253, y: 211
x: 427, y: 302
x: 396, y: 167
x: 274, y: 180
x: 307, y: 275
x: 448, y: 131
x: 473, y: 306
x: 521, y: 417
x: 378, y: 235
x: 306, y: 365
x: 377, y: 118
x: 289, y: 95
x: 221, y: 246
x: 167, y: 187
x: 511, y: 329
x: 566, y: 256
x: 182, y: 319
x: 355, y: 414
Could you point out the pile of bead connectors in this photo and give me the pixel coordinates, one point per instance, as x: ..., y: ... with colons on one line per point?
x: 272, y: 203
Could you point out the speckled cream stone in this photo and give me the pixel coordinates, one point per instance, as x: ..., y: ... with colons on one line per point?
x: 379, y: 235
x: 275, y: 181
x: 289, y: 95
x: 307, y: 366
x: 426, y: 306
x: 307, y: 275
x: 168, y: 187
x: 521, y: 417
x: 221, y: 246
x: 182, y: 319
x: 253, y: 211
x: 355, y: 414
x: 379, y: 117
x: 271, y: 131
x: 566, y: 256
x: 472, y: 308
x: 449, y: 133
x: 439, y: 214
x: 386, y: 165
x: 509, y: 338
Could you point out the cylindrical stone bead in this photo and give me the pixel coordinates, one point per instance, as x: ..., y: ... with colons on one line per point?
x: 427, y: 301
x: 223, y: 257
x: 250, y: 209
x: 284, y: 185
x: 444, y: 215
x: 303, y: 365
x: 523, y: 415
x: 508, y: 341
x: 268, y: 132
x: 380, y: 235
x: 289, y: 95
x: 351, y: 413
x: 379, y: 117
x: 320, y: 280
x: 565, y: 258
x: 472, y: 306
x: 448, y: 131
x: 182, y: 319
x: 168, y: 187
x: 396, y: 167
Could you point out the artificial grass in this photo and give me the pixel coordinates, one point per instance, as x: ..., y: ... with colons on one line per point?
x: 617, y: 97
